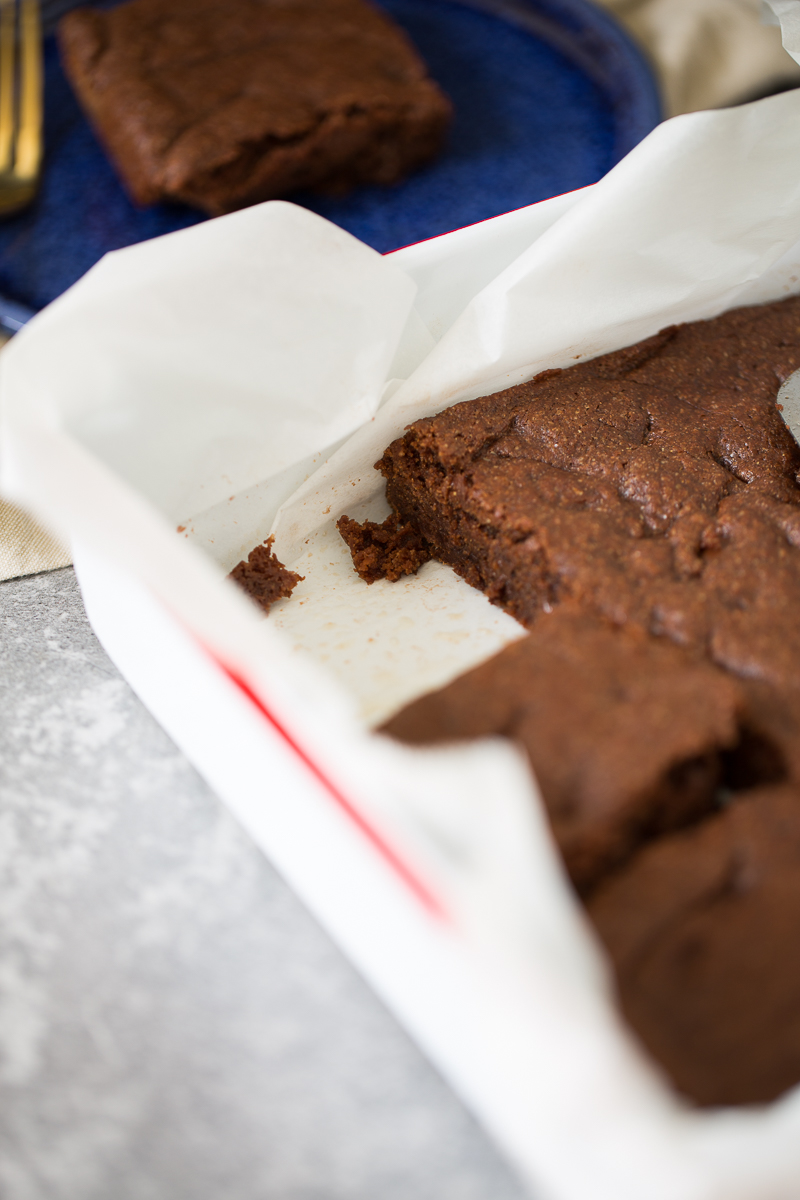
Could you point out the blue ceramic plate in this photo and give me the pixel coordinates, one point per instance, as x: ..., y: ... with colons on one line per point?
x: 548, y: 95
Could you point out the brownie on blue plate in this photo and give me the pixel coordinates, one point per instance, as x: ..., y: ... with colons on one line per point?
x: 221, y: 105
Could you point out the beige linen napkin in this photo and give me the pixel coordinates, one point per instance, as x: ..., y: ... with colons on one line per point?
x: 708, y: 53
x: 26, y: 548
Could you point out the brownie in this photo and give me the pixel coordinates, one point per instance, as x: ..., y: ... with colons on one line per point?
x: 221, y: 105
x: 264, y: 577
x: 702, y: 927
x: 628, y: 735
x: 639, y: 514
x: 655, y: 486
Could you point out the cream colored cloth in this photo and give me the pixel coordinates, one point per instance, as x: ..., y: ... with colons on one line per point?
x: 26, y: 548
x: 708, y: 53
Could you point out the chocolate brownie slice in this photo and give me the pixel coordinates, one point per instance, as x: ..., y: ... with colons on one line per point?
x: 702, y: 927
x: 628, y: 735
x: 656, y: 485
x: 222, y: 105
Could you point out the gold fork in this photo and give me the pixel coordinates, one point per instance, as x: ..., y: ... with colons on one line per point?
x: 20, y: 103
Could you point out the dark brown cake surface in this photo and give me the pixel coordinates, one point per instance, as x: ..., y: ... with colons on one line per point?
x: 702, y: 928
x: 628, y: 735
x: 640, y: 515
x: 654, y: 486
x: 264, y: 577
x: 221, y: 105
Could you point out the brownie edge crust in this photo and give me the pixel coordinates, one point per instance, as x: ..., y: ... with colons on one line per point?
x: 223, y: 105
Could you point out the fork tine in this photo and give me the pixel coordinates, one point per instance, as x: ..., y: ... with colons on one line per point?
x: 7, y: 73
x: 29, y: 133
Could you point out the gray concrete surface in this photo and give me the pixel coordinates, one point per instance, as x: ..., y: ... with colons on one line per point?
x: 173, y: 1023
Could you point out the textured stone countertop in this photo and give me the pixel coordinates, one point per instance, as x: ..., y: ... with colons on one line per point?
x: 173, y: 1023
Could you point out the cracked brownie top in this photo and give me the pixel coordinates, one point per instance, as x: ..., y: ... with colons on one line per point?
x: 656, y: 486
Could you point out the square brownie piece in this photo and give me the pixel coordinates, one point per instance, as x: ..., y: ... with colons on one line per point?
x: 221, y: 105
x: 655, y: 485
x: 629, y: 736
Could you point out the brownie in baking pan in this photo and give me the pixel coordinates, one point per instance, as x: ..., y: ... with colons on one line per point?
x: 654, y: 485
x: 220, y: 105
x: 702, y: 928
x: 629, y: 735
x: 639, y: 514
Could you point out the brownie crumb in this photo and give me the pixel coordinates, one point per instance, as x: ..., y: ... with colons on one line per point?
x: 386, y: 551
x: 264, y: 577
